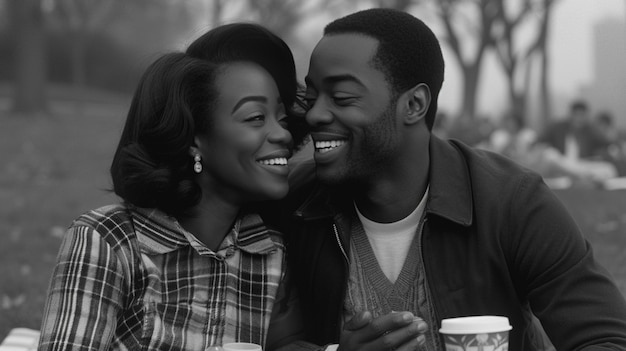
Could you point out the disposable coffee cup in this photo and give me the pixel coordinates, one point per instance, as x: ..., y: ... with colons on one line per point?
x: 241, y: 346
x: 476, y: 333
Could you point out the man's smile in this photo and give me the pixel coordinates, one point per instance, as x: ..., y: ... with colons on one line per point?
x: 326, y: 146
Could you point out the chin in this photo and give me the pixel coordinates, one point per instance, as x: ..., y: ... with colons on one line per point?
x: 330, y: 178
x: 277, y: 193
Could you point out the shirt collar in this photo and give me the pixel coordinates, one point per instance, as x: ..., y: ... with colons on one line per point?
x: 159, y: 233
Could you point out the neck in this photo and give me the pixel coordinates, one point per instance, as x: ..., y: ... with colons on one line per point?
x: 396, y: 193
x: 210, y: 221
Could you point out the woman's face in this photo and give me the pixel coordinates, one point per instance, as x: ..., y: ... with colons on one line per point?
x: 245, y: 151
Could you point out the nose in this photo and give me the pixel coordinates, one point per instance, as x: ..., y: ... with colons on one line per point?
x: 278, y: 134
x: 318, y: 114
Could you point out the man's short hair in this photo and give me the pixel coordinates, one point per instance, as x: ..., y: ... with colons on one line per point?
x: 579, y: 105
x: 408, y: 51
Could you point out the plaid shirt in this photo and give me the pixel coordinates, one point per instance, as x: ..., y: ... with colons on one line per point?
x: 129, y: 279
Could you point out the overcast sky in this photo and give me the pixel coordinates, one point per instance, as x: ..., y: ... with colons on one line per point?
x: 572, y: 38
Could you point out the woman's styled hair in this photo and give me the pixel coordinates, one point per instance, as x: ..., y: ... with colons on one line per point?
x: 152, y: 166
x: 251, y: 42
x: 408, y: 51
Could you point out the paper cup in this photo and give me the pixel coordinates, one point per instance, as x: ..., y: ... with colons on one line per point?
x: 476, y: 333
x: 241, y: 346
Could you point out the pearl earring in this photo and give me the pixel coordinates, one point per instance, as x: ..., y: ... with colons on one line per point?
x: 197, y: 166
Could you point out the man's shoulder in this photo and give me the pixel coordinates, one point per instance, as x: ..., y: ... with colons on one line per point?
x: 495, y: 171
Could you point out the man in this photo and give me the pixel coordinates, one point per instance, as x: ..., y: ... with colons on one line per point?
x: 405, y: 229
x: 576, y: 147
x: 576, y: 137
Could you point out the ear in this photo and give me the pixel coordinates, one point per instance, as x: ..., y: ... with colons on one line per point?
x: 416, y: 102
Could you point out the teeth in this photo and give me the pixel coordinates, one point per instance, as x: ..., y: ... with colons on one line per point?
x: 325, y: 146
x: 279, y: 161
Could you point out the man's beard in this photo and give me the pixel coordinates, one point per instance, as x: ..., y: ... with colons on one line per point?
x: 376, y: 149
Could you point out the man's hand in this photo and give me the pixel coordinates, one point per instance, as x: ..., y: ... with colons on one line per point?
x: 400, y: 331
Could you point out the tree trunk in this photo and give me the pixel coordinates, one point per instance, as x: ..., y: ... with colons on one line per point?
x: 78, y: 57
x: 517, y: 97
x: 544, y: 84
x: 216, y: 13
x: 470, y: 91
x: 30, y: 57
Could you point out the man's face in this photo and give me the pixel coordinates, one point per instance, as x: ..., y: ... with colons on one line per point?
x: 353, y: 117
x: 579, y: 116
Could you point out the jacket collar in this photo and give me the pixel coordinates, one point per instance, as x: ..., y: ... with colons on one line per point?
x: 450, y: 194
x: 159, y: 233
x: 450, y: 184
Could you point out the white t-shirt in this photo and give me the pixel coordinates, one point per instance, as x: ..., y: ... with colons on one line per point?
x: 391, y: 241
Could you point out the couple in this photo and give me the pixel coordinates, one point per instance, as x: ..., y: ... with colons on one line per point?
x: 389, y: 231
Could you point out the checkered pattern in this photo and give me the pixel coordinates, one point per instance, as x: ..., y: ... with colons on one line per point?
x: 129, y: 278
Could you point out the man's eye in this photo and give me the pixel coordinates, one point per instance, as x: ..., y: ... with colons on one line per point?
x: 343, y: 100
x: 284, y: 122
x: 309, y: 101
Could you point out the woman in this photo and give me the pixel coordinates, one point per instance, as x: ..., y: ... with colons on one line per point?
x: 185, y: 261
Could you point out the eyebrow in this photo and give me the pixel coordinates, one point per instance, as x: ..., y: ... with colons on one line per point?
x: 248, y: 99
x: 336, y: 79
x: 258, y: 98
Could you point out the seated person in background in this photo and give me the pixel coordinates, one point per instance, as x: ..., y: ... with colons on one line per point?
x: 615, y: 153
x: 576, y: 137
x: 575, y: 148
x: 185, y: 261
x: 520, y: 144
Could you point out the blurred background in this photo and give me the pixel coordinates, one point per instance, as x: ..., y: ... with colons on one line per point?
x: 513, y: 68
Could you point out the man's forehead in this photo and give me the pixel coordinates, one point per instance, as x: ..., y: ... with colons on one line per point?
x: 352, y: 45
x: 343, y: 52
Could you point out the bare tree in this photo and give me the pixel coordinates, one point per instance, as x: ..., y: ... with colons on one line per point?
x: 545, y: 102
x: 217, y: 11
x: 30, y: 56
x: 283, y: 16
x: 82, y: 18
x: 515, y: 57
x: 457, y: 24
x: 401, y: 5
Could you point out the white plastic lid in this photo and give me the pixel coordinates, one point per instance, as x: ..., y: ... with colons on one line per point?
x: 241, y: 346
x: 475, y: 325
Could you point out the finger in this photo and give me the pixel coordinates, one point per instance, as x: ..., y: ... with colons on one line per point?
x: 409, y: 334
x: 410, y: 345
x: 422, y: 326
x: 421, y: 340
x: 359, y: 321
x: 390, y: 322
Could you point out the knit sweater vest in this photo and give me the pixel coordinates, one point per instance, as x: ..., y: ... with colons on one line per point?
x: 370, y: 290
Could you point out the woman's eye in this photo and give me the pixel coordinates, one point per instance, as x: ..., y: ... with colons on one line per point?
x: 309, y: 101
x: 257, y: 117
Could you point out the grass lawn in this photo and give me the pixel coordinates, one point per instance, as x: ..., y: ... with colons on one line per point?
x: 53, y: 168
x: 56, y: 167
